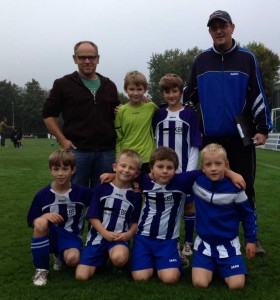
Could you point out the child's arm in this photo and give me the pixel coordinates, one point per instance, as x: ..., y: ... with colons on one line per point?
x: 107, y: 177
x: 53, y: 217
x: 193, y: 159
x: 126, y: 236
x: 108, y: 235
x: 236, y: 179
x: 119, y: 132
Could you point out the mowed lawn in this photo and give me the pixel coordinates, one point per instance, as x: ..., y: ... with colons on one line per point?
x: 24, y: 171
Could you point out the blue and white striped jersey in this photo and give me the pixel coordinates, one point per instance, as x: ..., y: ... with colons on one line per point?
x: 179, y: 131
x: 116, y: 209
x: 220, y: 207
x: 163, y: 206
x: 71, y: 206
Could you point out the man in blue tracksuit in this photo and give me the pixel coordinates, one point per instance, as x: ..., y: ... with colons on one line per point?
x: 226, y: 81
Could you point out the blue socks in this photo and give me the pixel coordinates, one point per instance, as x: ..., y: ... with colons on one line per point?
x: 189, y: 227
x: 40, y: 248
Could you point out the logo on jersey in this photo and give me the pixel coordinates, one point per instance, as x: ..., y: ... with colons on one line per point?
x: 71, y: 212
x: 120, y: 195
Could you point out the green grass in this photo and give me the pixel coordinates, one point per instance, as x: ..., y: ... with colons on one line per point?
x: 24, y: 171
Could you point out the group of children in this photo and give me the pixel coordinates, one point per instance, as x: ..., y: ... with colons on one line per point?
x: 165, y: 170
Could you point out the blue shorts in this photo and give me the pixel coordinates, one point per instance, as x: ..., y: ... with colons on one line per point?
x: 61, y: 239
x: 155, y: 254
x: 229, y: 266
x: 96, y: 255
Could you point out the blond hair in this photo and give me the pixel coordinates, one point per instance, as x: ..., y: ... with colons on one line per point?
x: 62, y: 157
x: 131, y: 154
x: 135, y: 77
x: 214, y: 148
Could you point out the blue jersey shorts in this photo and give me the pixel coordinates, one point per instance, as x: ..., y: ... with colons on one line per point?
x: 95, y: 255
x: 228, y: 266
x: 61, y: 239
x: 156, y: 254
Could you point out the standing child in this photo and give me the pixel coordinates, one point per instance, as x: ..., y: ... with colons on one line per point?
x: 177, y: 127
x: 219, y: 208
x: 114, y: 212
x: 57, y: 215
x: 133, y: 121
x: 155, y: 243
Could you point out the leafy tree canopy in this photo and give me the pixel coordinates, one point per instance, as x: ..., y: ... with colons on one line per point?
x: 269, y: 63
x: 171, y: 61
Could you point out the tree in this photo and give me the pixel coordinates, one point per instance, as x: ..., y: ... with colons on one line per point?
x: 31, y: 107
x: 269, y: 63
x: 9, y: 99
x: 171, y: 61
x: 123, y: 98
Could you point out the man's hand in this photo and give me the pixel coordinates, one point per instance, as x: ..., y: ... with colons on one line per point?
x: 259, y: 139
x: 67, y: 144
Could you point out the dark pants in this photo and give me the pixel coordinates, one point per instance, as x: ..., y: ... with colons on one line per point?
x: 242, y: 160
x: 3, y: 138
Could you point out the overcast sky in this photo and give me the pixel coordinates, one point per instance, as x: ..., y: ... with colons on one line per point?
x: 37, y: 36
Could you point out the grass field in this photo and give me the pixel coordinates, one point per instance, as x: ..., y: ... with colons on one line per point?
x: 24, y: 171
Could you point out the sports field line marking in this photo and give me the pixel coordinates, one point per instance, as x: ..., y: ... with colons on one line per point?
x: 273, y: 167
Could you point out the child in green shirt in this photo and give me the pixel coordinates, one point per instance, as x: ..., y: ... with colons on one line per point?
x: 133, y: 121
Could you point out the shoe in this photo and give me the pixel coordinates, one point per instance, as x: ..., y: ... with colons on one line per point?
x: 259, y: 249
x: 57, y: 263
x: 40, y: 277
x: 185, y: 262
x: 187, y: 250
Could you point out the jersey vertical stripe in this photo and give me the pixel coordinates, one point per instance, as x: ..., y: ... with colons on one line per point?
x: 178, y: 130
x: 163, y: 205
x: 71, y: 206
x: 115, y: 208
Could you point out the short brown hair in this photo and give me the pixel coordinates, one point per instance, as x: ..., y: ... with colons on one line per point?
x: 85, y: 42
x: 62, y: 157
x: 164, y: 153
x: 170, y: 81
x: 214, y: 148
x: 135, y: 77
x: 131, y: 154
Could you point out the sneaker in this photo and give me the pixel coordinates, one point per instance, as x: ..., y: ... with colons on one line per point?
x: 185, y: 262
x: 259, y: 249
x: 57, y: 263
x: 40, y: 277
x: 187, y: 250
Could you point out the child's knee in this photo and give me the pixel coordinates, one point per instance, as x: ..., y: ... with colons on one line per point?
x: 71, y: 257
x: 235, y: 282
x: 41, y: 227
x: 84, y: 272
x: 119, y: 259
x: 200, y: 283
x: 170, y: 277
x: 142, y: 275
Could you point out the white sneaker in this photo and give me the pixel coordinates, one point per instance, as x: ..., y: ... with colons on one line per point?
x: 57, y: 263
x: 187, y: 250
x: 40, y: 277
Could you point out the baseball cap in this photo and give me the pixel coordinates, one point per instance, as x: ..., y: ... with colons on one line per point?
x: 220, y: 14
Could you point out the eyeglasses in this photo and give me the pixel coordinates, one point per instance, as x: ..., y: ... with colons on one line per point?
x: 221, y: 26
x: 84, y: 58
